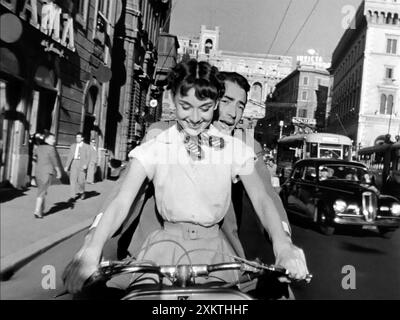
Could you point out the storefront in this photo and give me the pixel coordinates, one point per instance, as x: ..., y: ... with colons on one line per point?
x: 30, y: 84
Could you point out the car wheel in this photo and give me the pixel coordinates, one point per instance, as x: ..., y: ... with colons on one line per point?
x: 323, y: 225
x: 386, y: 232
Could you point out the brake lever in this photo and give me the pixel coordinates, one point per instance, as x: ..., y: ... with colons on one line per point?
x: 286, y: 273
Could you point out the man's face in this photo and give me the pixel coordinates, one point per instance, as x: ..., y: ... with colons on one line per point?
x: 231, y: 106
x: 194, y: 115
x: 79, y: 138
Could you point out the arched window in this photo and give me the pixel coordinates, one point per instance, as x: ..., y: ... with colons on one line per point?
x: 383, y: 104
x: 390, y: 104
x: 208, y: 45
x: 256, y: 92
x: 92, y: 104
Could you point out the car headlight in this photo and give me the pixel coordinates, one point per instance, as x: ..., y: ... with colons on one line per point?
x: 395, y: 209
x: 340, y: 206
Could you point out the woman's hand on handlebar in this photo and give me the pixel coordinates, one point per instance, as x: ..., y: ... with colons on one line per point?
x: 293, y: 260
x: 83, y: 265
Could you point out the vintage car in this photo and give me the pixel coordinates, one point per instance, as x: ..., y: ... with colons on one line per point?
x: 338, y: 192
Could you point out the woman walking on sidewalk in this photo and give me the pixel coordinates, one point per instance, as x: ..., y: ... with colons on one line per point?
x: 48, y: 162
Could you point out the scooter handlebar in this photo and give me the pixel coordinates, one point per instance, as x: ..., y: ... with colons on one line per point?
x: 185, y: 271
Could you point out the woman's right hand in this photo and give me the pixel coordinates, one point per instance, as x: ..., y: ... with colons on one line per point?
x: 82, y: 266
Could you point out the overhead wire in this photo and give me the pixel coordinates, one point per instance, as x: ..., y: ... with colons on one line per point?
x: 280, y: 25
x: 302, y: 27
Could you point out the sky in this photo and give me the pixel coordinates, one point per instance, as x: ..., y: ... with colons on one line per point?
x: 251, y: 25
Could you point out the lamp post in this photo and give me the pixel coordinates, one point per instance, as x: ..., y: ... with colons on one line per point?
x: 280, y: 131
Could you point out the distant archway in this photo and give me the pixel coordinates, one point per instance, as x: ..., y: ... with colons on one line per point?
x: 208, y: 46
x: 256, y: 92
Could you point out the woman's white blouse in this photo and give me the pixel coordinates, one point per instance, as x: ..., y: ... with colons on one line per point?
x: 193, y: 191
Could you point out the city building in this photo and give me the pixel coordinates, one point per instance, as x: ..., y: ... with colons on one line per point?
x: 292, y: 106
x: 143, y: 53
x: 261, y: 70
x: 365, y: 97
x: 54, y: 75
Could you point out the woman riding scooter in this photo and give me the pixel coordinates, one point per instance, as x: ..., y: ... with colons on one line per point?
x: 192, y: 165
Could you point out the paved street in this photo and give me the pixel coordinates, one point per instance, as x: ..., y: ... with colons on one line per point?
x: 375, y: 260
x: 21, y: 233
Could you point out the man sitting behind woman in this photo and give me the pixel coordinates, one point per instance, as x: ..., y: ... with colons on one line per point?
x: 192, y: 165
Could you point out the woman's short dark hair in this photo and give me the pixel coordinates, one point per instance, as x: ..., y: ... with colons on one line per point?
x: 201, y: 76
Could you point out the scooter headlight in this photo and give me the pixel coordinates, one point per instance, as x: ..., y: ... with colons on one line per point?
x: 395, y: 209
x: 340, y: 206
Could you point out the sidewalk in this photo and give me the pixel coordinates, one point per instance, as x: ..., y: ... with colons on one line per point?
x: 23, y: 237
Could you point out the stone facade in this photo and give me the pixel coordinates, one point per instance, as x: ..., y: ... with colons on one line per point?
x: 365, y: 93
x: 261, y: 70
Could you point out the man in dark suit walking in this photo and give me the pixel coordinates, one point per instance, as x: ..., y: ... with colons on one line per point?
x: 78, y: 162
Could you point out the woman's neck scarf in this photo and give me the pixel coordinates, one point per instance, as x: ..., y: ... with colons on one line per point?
x: 193, y: 143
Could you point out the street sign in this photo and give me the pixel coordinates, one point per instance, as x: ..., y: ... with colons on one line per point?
x: 307, y: 121
x: 153, y: 103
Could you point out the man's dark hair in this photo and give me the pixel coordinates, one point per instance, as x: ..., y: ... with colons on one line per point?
x: 79, y: 134
x: 235, y: 78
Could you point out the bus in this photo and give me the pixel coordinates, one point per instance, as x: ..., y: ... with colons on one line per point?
x: 383, y: 162
x: 311, y: 145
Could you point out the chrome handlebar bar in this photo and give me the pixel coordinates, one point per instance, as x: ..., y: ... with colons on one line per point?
x: 181, y: 274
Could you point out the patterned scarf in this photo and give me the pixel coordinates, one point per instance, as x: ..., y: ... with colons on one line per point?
x: 193, y: 143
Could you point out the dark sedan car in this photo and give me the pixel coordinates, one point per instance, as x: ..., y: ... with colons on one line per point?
x: 338, y: 192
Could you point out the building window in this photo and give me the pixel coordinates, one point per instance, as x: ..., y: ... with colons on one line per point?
x: 389, y: 73
x: 302, y: 113
x: 386, y: 106
x: 208, y: 46
x: 390, y: 104
x: 82, y: 12
x: 304, y: 95
x: 391, y: 46
x: 256, y: 92
x: 305, y: 81
x: 103, y: 7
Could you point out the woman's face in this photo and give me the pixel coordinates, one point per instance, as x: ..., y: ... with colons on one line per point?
x: 194, y: 115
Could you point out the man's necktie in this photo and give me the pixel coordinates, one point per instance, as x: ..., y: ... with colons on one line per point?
x: 193, y: 143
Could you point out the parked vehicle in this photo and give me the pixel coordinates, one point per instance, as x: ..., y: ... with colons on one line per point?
x: 338, y: 192
x: 383, y: 162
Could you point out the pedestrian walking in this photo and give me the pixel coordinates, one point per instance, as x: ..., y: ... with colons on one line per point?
x: 77, y: 164
x: 48, y: 163
x: 92, y: 162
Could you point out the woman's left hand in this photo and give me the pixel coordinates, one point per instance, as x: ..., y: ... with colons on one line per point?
x: 292, y: 258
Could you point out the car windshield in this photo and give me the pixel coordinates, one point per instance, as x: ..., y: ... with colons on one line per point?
x: 343, y: 172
